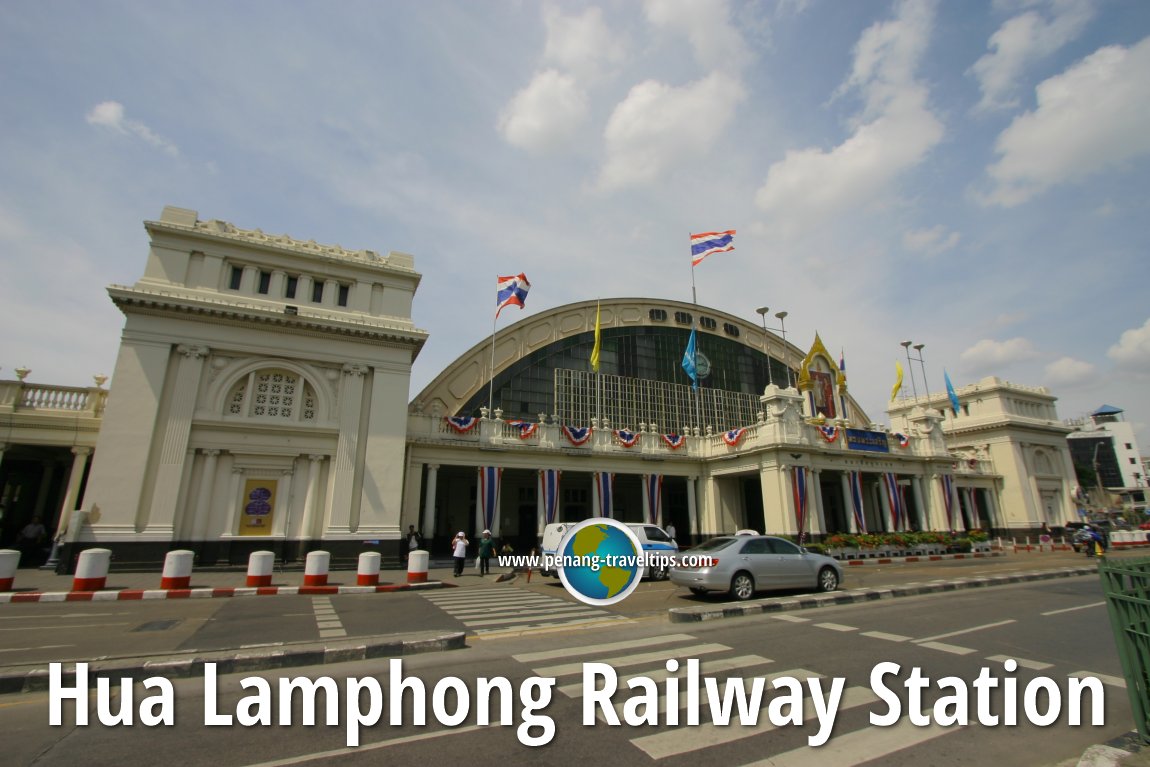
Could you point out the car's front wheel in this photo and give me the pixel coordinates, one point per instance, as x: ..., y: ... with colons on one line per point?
x: 742, y: 586
x: 828, y: 579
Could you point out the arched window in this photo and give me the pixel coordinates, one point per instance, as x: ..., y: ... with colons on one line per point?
x: 1042, y: 463
x: 273, y: 394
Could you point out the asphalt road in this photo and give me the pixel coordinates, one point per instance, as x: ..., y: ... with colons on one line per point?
x: 1054, y: 629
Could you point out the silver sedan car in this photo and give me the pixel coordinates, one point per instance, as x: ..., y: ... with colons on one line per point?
x: 744, y: 564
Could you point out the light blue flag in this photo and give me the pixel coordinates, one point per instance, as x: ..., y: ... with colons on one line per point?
x: 689, y: 361
x: 950, y: 392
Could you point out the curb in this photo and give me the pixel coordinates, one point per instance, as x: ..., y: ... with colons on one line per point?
x: 17, y: 597
x: 918, y: 558
x: 188, y: 666
x: 856, y: 596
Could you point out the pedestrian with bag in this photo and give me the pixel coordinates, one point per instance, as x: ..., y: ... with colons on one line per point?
x: 486, y: 551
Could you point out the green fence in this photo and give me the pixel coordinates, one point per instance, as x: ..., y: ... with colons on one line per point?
x: 1127, y: 586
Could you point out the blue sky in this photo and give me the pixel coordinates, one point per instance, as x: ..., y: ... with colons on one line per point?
x: 967, y: 175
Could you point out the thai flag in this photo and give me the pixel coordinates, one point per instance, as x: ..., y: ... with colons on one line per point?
x: 703, y: 245
x: 512, y: 291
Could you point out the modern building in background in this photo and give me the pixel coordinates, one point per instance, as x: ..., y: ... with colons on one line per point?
x: 260, y: 401
x: 1106, y: 447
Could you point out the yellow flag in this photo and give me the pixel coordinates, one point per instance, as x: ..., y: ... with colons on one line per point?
x: 897, y: 380
x: 595, y: 351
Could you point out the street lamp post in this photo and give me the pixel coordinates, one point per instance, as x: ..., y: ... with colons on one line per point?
x: 762, y: 311
x: 782, y: 330
x: 925, y: 385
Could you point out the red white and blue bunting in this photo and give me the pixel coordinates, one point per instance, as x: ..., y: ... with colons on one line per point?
x: 526, y: 428
x: 577, y: 435
x: 653, y: 487
x: 903, y: 439
x: 829, y: 433
x: 604, y: 485
x: 799, y: 482
x: 675, y: 441
x: 627, y: 438
x: 462, y: 423
x: 854, y: 480
x: 549, y: 492
x: 733, y: 436
x: 894, y: 497
x: 948, y: 498
x: 490, y: 480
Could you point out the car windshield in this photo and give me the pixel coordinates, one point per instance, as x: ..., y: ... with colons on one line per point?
x: 714, y: 544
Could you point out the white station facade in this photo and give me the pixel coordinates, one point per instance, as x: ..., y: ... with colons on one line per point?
x: 260, y: 401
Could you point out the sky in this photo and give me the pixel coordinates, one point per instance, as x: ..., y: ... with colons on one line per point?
x: 969, y: 175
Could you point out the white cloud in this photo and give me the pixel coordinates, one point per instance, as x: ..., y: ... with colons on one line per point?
x: 657, y: 124
x: 893, y: 133
x: 716, y: 42
x: 1068, y: 371
x: 110, y: 115
x: 583, y: 45
x: 930, y: 242
x: 547, y: 114
x: 1133, y: 349
x: 1023, y: 39
x: 1091, y: 117
x: 988, y: 354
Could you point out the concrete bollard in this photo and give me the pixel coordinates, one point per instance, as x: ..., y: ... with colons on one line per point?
x: 177, y: 569
x: 316, y: 567
x: 417, y: 566
x: 368, y: 572
x: 260, y: 566
x: 92, y: 570
x: 9, y: 561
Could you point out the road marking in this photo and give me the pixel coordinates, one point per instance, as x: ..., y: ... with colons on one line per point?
x: 532, y: 657
x: 886, y: 636
x: 77, y: 626
x: 970, y: 630
x: 1113, y: 681
x: 952, y: 649
x: 1033, y: 665
x: 38, y: 647
x: 64, y: 615
x: 337, y: 752
x: 835, y: 627
x: 1072, y: 609
x: 868, y: 745
x: 634, y: 660
x: 327, y: 621
x: 742, y: 663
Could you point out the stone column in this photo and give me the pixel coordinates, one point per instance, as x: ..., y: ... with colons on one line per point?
x: 250, y: 280
x: 278, y: 284
x: 426, y: 525
x: 330, y: 293
x: 303, y: 289
x: 339, y: 514
x: 920, y: 511
x: 307, y: 524
x: 234, y: 500
x: 817, y: 497
x: 848, y: 504
x: 173, y: 452
x: 884, y: 502
x: 283, y: 498
x: 692, y: 509
x: 205, y: 501
x: 72, y: 494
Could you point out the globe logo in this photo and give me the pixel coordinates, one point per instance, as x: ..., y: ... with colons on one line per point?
x: 599, y: 561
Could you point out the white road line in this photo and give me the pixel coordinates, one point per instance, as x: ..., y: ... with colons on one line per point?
x: 1033, y: 665
x: 317, y: 756
x: 635, y: 660
x: 534, y: 618
x: 835, y: 627
x: 78, y: 626
x: 960, y: 632
x: 952, y: 649
x: 59, y: 617
x: 868, y: 745
x: 535, y: 628
x: 1073, y: 609
x: 682, y: 740
x: 501, y: 611
x: 791, y: 618
x: 565, y: 652
x: 1113, y: 681
x: 329, y: 633
x: 38, y: 647
x: 711, y: 667
x: 886, y: 636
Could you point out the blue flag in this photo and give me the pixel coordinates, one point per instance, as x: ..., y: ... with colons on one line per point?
x: 689, y: 361
x: 950, y: 392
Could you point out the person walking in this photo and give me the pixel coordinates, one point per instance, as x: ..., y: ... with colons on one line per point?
x: 414, y: 539
x: 459, y: 552
x: 486, y: 551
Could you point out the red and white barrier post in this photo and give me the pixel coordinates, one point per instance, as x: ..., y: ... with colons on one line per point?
x: 92, y: 570
x: 368, y: 572
x: 417, y: 566
x: 9, y: 561
x: 177, y: 569
x: 260, y: 566
x: 315, y: 568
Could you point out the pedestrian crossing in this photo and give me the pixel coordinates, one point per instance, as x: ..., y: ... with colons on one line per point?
x: 500, y: 610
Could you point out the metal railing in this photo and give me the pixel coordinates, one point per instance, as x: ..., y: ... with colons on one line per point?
x: 1126, y: 583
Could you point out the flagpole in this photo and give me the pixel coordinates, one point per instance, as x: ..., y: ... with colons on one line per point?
x: 694, y: 297
x: 491, y: 380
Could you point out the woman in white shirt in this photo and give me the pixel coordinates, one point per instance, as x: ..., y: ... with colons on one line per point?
x: 459, y: 552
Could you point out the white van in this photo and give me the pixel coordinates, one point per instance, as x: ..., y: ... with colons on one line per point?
x: 652, y: 537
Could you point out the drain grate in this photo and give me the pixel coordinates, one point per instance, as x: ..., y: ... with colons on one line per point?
x: 156, y: 625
